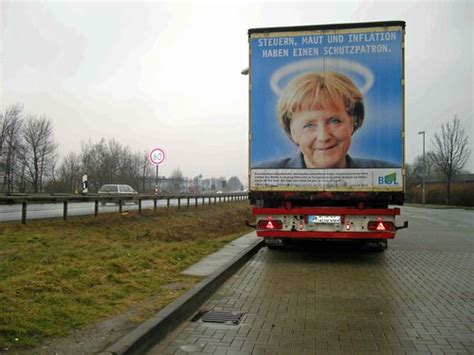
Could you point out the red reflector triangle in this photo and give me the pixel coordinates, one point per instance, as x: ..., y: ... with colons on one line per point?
x: 380, y: 227
x: 269, y: 225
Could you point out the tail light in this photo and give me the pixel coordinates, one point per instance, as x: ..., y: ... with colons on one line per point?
x: 380, y: 226
x: 270, y: 223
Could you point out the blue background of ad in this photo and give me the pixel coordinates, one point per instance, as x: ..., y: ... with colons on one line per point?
x: 380, y: 136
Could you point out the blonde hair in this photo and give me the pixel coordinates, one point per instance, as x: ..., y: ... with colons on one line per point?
x: 319, y: 91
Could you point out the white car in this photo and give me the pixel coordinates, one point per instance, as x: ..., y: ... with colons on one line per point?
x: 112, y: 189
x: 117, y: 189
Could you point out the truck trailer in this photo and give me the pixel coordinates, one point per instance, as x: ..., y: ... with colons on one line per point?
x: 326, y: 132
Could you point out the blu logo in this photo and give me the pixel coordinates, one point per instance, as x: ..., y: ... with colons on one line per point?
x: 390, y: 179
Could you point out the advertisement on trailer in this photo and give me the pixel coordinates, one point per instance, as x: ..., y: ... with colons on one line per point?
x: 326, y: 110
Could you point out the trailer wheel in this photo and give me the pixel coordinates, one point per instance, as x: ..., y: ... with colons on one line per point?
x: 378, y: 245
x: 274, y: 243
x: 382, y: 245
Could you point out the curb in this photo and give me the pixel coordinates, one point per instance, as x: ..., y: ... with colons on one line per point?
x: 148, y: 334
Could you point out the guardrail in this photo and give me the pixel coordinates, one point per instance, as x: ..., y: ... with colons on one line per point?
x: 120, y: 199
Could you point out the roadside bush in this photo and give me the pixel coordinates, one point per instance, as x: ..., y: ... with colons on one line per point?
x: 462, y: 194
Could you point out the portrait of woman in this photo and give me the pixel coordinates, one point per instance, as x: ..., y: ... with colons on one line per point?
x: 321, y: 112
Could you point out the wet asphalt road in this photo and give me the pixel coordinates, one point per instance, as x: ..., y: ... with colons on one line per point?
x: 55, y: 210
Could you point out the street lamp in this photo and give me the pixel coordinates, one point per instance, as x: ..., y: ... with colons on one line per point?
x: 424, y: 166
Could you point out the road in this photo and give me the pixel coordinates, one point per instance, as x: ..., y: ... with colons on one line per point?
x: 52, y: 210
x: 417, y: 297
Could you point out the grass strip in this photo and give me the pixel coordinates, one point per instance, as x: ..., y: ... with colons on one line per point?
x: 56, y: 276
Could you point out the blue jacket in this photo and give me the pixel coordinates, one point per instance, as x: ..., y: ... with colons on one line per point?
x: 297, y: 162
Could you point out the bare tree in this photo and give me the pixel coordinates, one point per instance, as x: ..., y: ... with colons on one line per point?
x: 177, y: 181
x: 11, y: 113
x: 450, y: 151
x: 98, y: 163
x: 130, y: 166
x: 420, y: 168
x: 11, y: 124
x: 109, y: 162
x: 91, y: 163
x: 144, y: 168
x: 39, y: 150
x: 234, y: 184
x: 69, y: 173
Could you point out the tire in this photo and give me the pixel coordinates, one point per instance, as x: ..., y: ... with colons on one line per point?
x: 273, y: 245
x: 382, y: 246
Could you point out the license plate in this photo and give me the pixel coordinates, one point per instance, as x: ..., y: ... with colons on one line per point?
x: 324, y: 219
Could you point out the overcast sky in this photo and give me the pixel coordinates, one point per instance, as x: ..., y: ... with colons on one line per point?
x: 163, y: 74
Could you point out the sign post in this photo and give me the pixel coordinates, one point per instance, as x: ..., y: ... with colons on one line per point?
x: 84, y: 184
x: 156, y: 157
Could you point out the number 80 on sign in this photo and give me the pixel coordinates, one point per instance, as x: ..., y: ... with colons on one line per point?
x: 156, y: 156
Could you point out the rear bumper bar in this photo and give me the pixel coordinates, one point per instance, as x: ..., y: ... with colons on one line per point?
x: 324, y: 235
x: 327, y: 211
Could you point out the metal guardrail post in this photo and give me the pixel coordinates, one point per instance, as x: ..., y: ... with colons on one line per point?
x: 65, y: 210
x: 26, y: 199
x: 23, y: 212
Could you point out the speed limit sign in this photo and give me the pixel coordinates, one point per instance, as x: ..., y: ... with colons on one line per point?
x: 156, y: 156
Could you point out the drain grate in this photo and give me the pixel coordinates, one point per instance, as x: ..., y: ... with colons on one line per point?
x: 230, y: 318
